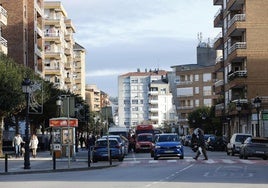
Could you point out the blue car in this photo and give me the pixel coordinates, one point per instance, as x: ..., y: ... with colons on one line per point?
x: 100, y: 150
x: 168, y: 145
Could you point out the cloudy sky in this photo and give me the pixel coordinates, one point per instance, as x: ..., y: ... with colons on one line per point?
x: 121, y: 36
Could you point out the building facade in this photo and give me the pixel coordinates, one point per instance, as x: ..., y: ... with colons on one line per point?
x: 40, y: 36
x: 3, y: 23
x: 244, y: 59
x: 194, y: 85
x: 144, y: 97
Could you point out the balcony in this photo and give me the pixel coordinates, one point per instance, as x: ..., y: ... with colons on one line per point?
x: 218, y: 18
x: 53, y: 54
x: 237, y: 74
x: 3, y: 16
x: 153, y: 101
x: 235, y: 4
x: 52, y: 71
x: 53, y: 36
x: 153, y: 117
x: 237, y: 52
x: 218, y: 42
x: 153, y: 92
x: 219, y: 86
x: 236, y: 26
x: 217, y: 2
x: 184, y: 82
x: 219, y: 64
x: 3, y: 45
x: 153, y: 109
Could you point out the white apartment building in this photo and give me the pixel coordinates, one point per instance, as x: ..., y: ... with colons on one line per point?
x: 3, y: 22
x: 144, y: 97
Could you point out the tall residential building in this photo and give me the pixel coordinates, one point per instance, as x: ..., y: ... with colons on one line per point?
x: 93, y: 98
x: 245, y: 63
x: 144, y: 97
x: 3, y: 23
x: 40, y: 36
x: 24, y: 32
x: 79, y: 70
x: 194, y: 85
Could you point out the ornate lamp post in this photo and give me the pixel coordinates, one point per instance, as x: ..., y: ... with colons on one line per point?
x: 26, y: 83
x: 238, y: 108
x: 59, y: 103
x: 257, y: 104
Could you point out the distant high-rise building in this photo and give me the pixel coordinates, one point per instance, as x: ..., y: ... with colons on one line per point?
x: 145, y: 97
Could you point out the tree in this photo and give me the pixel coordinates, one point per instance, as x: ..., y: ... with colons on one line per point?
x: 12, y: 100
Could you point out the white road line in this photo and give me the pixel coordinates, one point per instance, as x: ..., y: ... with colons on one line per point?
x: 228, y: 161
x: 246, y: 161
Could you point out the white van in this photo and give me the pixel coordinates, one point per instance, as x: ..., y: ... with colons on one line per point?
x: 233, y: 147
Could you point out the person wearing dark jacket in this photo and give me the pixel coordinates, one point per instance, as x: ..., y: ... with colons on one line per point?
x: 200, y: 144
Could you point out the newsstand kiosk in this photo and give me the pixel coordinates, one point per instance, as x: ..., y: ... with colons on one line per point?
x: 63, y: 136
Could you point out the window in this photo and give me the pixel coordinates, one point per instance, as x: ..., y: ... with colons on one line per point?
x: 206, y: 77
x: 207, y: 102
x: 207, y: 90
x: 187, y: 91
x: 196, y: 77
x: 196, y: 103
x: 135, y: 101
x: 196, y: 90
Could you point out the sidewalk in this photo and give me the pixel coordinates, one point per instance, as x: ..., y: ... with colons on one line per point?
x: 44, y: 163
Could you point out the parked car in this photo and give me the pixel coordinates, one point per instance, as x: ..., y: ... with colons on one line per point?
x: 216, y: 143
x: 122, y: 140
x: 254, y: 147
x: 233, y: 147
x: 100, y: 150
x: 168, y: 145
x: 144, y: 142
x: 186, y: 140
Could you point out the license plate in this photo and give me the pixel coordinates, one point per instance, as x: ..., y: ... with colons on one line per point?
x: 260, y: 152
x: 169, y: 151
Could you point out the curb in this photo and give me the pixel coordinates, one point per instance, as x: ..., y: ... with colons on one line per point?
x: 57, y: 170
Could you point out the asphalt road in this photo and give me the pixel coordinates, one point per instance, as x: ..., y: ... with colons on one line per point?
x: 140, y: 170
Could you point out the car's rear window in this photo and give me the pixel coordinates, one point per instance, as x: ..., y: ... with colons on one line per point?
x: 261, y: 141
x: 145, y: 138
x: 103, y: 143
x: 241, y: 138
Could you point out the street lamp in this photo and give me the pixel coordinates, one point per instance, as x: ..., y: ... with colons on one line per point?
x: 59, y: 103
x: 26, y: 83
x: 257, y: 104
x: 238, y: 108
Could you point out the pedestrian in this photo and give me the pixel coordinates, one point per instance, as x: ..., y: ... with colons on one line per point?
x: 200, y: 144
x: 34, y: 145
x: 16, y: 143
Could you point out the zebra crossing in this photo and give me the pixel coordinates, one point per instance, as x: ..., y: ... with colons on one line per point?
x: 166, y: 161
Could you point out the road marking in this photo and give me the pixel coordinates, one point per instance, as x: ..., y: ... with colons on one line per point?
x: 228, y: 161
x: 246, y: 161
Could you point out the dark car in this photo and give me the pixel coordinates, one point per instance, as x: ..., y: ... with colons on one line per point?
x: 214, y: 143
x: 168, y: 145
x: 254, y: 147
x: 100, y: 150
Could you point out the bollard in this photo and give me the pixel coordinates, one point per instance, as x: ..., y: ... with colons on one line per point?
x: 89, y: 157
x: 54, y: 160
x: 110, y: 156
x: 6, y: 163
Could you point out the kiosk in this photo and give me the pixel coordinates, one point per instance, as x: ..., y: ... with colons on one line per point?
x: 63, y: 136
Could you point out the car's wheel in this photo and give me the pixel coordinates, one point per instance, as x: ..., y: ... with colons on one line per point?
x: 182, y: 157
x: 265, y: 158
x: 228, y: 153
x: 232, y: 152
x: 94, y: 160
x: 240, y: 156
x: 155, y: 158
x: 244, y: 156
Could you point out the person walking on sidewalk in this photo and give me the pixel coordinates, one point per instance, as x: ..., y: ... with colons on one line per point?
x: 34, y: 145
x: 200, y: 143
x: 16, y: 143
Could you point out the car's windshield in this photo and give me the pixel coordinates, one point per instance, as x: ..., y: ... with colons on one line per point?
x: 241, y: 138
x: 167, y: 138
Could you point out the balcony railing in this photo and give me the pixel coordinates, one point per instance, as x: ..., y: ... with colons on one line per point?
x: 237, y: 45
x: 3, y: 41
x: 237, y: 74
x: 237, y: 18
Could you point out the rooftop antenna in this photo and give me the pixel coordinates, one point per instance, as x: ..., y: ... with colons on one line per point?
x: 199, y: 37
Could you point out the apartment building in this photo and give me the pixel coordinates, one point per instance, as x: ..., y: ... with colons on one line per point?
x: 144, y: 97
x: 3, y: 23
x: 40, y: 36
x: 244, y: 47
x: 93, y: 97
x: 194, y: 84
x: 79, y: 60
x: 24, y: 32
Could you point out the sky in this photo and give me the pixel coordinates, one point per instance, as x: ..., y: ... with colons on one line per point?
x: 121, y: 36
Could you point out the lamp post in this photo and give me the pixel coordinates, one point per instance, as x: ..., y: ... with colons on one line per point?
x: 238, y: 108
x: 26, y: 83
x: 59, y: 103
x: 257, y: 104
